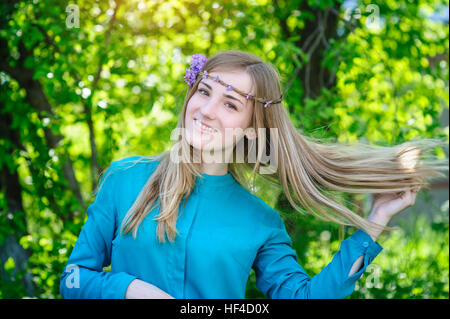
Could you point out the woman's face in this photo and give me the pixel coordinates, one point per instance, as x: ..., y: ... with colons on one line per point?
x: 226, y: 113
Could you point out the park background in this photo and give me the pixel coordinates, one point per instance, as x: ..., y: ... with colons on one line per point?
x: 84, y: 83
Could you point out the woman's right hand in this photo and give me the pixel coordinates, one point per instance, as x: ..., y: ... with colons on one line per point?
x: 139, y: 289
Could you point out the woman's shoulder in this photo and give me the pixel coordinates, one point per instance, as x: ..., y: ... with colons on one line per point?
x: 131, y: 161
x: 133, y: 166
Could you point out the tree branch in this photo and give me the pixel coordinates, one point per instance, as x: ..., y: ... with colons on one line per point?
x: 88, y: 106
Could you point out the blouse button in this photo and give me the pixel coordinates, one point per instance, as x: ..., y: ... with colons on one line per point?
x: 365, y: 244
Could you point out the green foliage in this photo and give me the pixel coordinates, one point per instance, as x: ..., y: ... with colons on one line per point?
x: 412, y: 266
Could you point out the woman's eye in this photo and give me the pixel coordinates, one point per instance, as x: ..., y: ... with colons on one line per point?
x: 231, y: 105
x: 204, y: 92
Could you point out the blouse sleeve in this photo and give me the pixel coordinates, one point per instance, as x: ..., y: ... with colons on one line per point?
x: 279, y: 276
x: 83, y: 277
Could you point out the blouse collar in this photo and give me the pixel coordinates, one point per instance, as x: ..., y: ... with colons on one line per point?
x: 215, y: 180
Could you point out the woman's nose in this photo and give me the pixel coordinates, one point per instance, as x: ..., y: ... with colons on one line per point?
x: 208, y: 109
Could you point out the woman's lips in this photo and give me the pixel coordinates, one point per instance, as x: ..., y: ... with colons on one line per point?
x: 203, y: 127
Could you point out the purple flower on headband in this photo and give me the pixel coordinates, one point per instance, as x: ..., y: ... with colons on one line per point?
x: 267, y: 104
x: 197, y: 63
x: 190, y: 77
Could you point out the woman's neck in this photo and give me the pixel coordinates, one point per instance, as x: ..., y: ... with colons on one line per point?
x: 214, y: 168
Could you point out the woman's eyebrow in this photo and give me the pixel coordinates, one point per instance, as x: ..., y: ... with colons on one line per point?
x: 226, y: 95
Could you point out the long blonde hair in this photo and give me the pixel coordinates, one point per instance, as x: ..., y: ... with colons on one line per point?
x: 307, y: 168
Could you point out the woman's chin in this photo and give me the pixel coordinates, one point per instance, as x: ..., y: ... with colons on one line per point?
x: 205, y: 147
x: 206, y: 142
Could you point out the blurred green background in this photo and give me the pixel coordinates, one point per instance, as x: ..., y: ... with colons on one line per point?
x: 83, y: 83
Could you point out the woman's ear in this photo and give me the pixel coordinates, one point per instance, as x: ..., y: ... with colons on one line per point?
x: 250, y: 133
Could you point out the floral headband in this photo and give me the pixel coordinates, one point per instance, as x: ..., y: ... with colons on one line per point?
x: 196, y: 65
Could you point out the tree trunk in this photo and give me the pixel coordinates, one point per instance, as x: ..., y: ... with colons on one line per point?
x: 10, y: 187
x: 314, y: 41
x: 37, y: 99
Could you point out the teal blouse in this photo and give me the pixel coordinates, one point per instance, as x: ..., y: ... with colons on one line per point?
x: 224, y: 232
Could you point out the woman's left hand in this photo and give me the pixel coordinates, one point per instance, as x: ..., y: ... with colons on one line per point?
x: 388, y: 205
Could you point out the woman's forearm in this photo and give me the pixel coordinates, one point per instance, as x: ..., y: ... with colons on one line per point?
x: 139, y: 289
x: 373, y: 217
x: 377, y: 219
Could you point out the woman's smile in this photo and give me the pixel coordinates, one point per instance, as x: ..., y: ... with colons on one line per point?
x: 204, y: 128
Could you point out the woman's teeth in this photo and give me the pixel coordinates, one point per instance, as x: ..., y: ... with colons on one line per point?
x: 208, y: 129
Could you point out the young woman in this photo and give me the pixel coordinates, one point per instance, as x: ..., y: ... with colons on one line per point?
x: 205, y: 205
